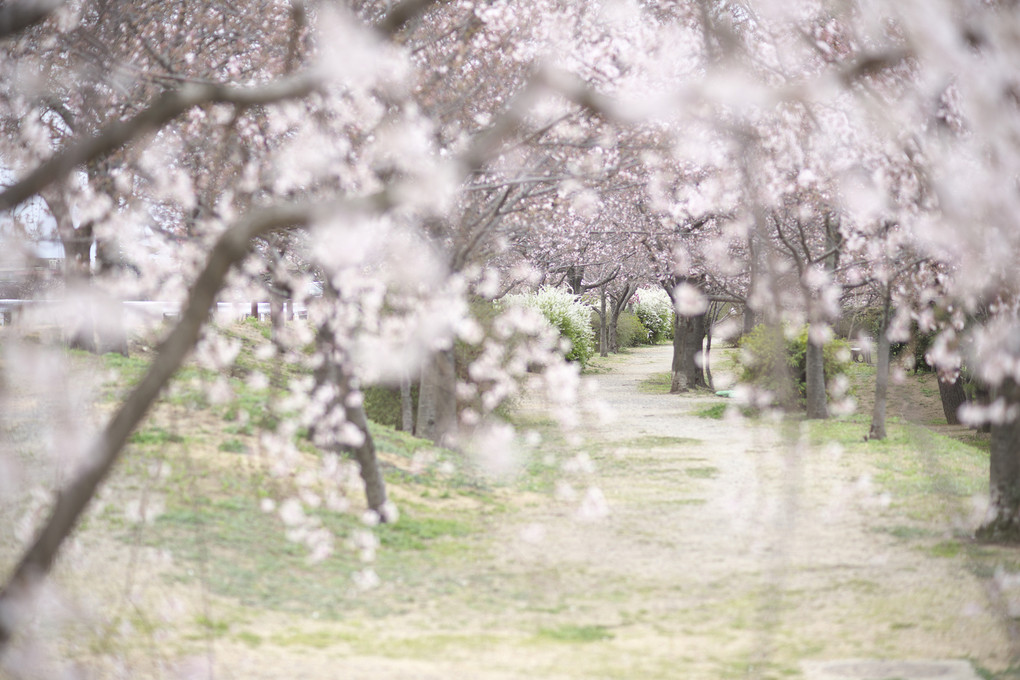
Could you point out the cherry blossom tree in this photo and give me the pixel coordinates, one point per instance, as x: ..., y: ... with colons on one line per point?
x: 718, y: 148
x: 358, y: 192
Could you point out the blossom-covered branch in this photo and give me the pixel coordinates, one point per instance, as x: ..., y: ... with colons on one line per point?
x: 161, y: 111
x: 232, y: 247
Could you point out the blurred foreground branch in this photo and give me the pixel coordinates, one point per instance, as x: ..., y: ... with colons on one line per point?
x: 161, y: 111
x: 229, y: 250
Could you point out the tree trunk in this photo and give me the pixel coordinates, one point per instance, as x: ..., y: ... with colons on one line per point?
x: 817, y: 407
x: 446, y: 398
x: 111, y: 330
x: 83, y: 328
x: 619, y: 303
x: 406, y: 405
x: 953, y: 397
x: 881, y: 376
x: 77, y: 243
x: 425, y: 423
x: 437, y: 399
x: 603, y: 326
x: 753, y: 257
x: 688, y: 343
x: 575, y: 279
x: 275, y: 315
x: 364, y: 454
x: 706, y: 364
x: 678, y: 381
x: 331, y: 373
x: 255, y: 310
x: 1003, y: 520
x: 983, y: 397
x: 77, y: 278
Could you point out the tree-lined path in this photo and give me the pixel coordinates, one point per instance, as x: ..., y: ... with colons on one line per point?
x: 723, y: 549
x: 730, y: 545
x: 731, y: 549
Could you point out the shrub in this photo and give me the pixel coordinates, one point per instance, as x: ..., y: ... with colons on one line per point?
x: 564, y: 312
x: 913, y: 352
x: 654, y: 308
x: 630, y: 332
x: 382, y: 404
x: 766, y: 349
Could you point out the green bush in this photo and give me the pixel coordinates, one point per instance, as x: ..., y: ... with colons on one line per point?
x: 912, y: 353
x: 766, y: 349
x: 382, y: 404
x: 565, y: 313
x: 630, y: 332
x: 654, y: 309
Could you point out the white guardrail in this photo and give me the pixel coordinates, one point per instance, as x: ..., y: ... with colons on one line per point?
x: 141, y: 309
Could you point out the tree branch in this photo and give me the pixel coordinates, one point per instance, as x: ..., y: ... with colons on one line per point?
x: 162, y: 110
x: 232, y: 246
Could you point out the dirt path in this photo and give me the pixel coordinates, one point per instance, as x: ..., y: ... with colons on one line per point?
x: 744, y: 546
x: 729, y: 550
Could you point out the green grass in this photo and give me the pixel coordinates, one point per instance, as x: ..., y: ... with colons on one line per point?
x: 436, y: 553
x: 718, y: 410
x: 907, y: 533
x: 575, y: 634
x: 314, y: 639
x: 390, y: 440
x: 1011, y: 673
x: 188, y: 389
x: 213, y: 524
x: 599, y: 365
x: 212, y: 627
x: 246, y: 555
x: 422, y: 532
x: 656, y: 442
x: 250, y: 639
x: 128, y: 371
x: 715, y: 411
x: 657, y: 383
x: 924, y: 472
x: 233, y: 446
x: 154, y: 436
x: 945, y: 549
x: 538, y: 475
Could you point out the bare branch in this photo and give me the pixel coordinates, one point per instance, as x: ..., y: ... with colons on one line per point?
x: 162, y: 110
x: 598, y: 284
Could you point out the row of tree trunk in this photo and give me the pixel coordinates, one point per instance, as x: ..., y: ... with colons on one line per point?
x: 436, y: 417
x: 1002, y: 522
x: 687, y: 371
